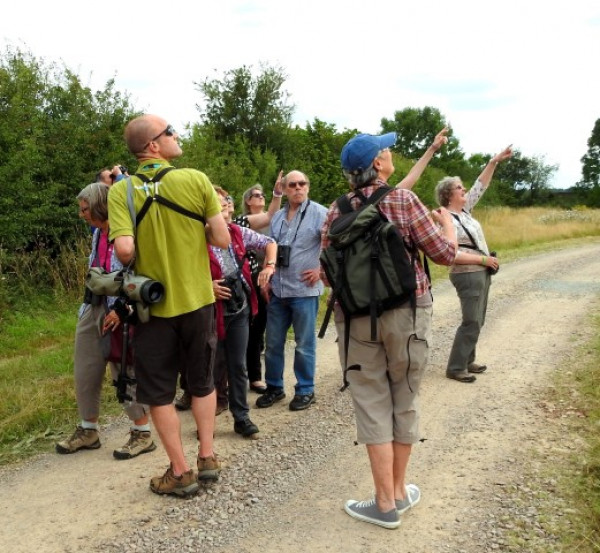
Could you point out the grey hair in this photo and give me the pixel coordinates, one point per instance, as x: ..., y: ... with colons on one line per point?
x: 443, y: 190
x: 364, y: 178
x: 96, y: 196
x: 247, y: 195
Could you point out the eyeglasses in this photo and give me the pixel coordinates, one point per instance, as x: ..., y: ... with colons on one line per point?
x: 169, y: 131
x: 257, y: 195
x: 294, y: 184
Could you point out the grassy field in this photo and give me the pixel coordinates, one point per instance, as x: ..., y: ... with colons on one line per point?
x: 36, y: 350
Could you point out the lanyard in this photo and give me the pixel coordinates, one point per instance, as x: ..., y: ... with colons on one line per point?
x: 302, y: 215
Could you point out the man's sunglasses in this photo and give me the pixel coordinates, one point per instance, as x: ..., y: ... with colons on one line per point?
x: 169, y: 131
x: 294, y: 184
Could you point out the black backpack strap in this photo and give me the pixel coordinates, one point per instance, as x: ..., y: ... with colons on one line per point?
x: 475, y: 244
x: 162, y: 200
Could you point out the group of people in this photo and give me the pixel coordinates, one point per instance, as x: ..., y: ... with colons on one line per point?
x: 229, y: 281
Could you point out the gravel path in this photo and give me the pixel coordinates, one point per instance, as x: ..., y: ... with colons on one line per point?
x: 482, y: 466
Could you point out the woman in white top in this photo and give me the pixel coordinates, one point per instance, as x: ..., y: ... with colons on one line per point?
x: 470, y: 273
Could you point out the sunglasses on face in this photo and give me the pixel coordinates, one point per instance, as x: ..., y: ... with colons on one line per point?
x: 257, y: 195
x: 296, y: 184
x: 169, y: 131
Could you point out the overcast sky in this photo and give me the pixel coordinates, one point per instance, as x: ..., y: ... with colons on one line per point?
x: 523, y: 72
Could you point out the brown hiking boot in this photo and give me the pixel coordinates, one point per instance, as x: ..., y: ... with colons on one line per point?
x: 208, y: 468
x: 139, y: 442
x: 82, y: 438
x: 183, y: 402
x: 168, y: 483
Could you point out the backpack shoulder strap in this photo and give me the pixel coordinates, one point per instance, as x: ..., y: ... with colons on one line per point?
x: 379, y: 194
x: 161, y: 200
x: 343, y: 203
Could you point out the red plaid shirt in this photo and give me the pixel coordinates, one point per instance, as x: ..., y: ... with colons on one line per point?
x: 404, y: 209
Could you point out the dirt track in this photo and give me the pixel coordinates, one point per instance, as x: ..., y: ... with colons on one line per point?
x: 475, y: 438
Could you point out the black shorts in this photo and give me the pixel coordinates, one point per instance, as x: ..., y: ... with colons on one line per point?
x: 164, y: 347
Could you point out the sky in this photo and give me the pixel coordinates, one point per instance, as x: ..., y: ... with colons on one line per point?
x: 510, y: 72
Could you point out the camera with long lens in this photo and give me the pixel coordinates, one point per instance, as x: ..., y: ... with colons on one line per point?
x: 140, y: 290
x: 283, y: 255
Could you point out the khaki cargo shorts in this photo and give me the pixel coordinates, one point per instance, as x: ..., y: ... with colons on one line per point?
x: 385, y: 392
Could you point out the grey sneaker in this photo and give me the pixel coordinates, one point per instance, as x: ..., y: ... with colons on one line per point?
x: 183, y: 402
x: 82, y: 438
x: 139, y: 442
x: 367, y: 511
x: 209, y: 468
x: 168, y: 483
x: 412, y: 497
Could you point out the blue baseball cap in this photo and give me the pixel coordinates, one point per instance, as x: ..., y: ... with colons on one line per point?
x: 359, y: 152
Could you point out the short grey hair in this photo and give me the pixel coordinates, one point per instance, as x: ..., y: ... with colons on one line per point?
x: 443, y: 190
x: 96, y: 196
x: 247, y: 195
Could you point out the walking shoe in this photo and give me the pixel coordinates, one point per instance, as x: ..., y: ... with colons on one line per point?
x: 246, y: 428
x: 82, y: 438
x: 367, y: 511
x: 168, y: 483
x: 184, y: 401
x: 301, y: 402
x: 270, y: 397
x: 461, y: 376
x: 140, y: 441
x: 476, y: 369
x: 412, y: 497
x: 208, y: 468
x: 220, y: 408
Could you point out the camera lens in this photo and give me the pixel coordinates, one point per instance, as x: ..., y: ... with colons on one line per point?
x: 152, y: 291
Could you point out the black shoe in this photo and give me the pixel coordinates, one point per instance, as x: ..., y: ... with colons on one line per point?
x: 245, y: 428
x: 476, y: 369
x: 301, y: 401
x: 461, y: 376
x: 270, y: 397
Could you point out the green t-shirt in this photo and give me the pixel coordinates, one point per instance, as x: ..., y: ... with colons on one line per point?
x: 170, y: 247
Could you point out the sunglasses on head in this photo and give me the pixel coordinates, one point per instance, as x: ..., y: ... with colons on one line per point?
x: 169, y: 131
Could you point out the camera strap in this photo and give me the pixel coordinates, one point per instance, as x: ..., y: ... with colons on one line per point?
x: 137, y: 219
x: 475, y: 245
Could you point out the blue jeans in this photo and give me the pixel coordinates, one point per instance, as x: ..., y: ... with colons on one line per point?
x: 301, y: 314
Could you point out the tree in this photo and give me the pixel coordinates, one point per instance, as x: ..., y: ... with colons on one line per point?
x: 416, y: 128
x: 55, y: 134
x: 531, y: 176
x: 240, y: 104
x: 589, y: 186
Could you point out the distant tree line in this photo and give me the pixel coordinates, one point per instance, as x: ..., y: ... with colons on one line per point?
x: 56, y: 133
